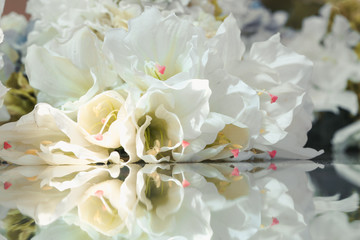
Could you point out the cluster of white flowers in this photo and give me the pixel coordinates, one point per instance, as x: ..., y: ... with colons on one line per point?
x: 123, y: 81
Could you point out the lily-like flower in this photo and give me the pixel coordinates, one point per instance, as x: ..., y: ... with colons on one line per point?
x: 47, y: 135
x: 70, y: 73
x: 162, y: 118
x: 172, y: 51
x: 59, y: 19
x: 99, y: 117
x: 281, y: 78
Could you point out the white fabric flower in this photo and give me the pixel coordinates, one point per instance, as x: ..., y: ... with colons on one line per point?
x: 69, y: 73
x: 163, y: 117
x: 287, y: 77
x: 99, y: 117
x: 47, y: 135
x: 172, y: 50
x: 61, y: 18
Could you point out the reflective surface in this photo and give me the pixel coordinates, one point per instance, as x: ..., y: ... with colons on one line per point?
x: 278, y: 200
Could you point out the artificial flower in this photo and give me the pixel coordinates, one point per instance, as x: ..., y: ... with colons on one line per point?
x: 75, y: 70
x: 99, y: 117
x: 171, y: 53
x: 59, y: 19
x: 164, y: 119
x: 47, y: 135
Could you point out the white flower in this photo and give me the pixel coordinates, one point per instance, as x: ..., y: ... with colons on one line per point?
x: 47, y: 135
x: 69, y: 73
x: 99, y: 117
x: 274, y: 70
x: 60, y: 18
x: 335, y: 62
x: 163, y: 117
x: 156, y: 49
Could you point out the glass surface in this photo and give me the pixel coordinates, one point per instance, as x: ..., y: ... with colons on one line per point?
x: 246, y: 200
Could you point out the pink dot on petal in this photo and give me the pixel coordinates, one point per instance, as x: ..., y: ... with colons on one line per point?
x: 272, y: 166
x: 272, y: 153
x: 99, y: 137
x: 99, y: 193
x: 7, y: 185
x: 273, y: 98
x: 103, y: 120
x: 235, y: 152
x: 160, y: 68
x: 275, y: 221
x: 7, y: 145
x: 235, y: 172
x: 185, y: 183
x: 185, y: 144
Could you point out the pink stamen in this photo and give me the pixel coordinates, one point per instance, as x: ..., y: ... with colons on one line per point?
x: 99, y: 137
x: 275, y: 221
x: 185, y: 144
x: 99, y: 193
x: 272, y: 153
x: 273, y: 98
x: 185, y: 183
x: 235, y: 172
x: 7, y: 145
x: 160, y: 68
x: 7, y: 185
x: 235, y: 152
x: 272, y: 166
x: 103, y: 120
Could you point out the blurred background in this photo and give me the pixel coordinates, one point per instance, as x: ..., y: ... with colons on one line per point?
x: 15, y: 6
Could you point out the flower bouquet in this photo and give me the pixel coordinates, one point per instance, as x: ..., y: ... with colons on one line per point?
x: 124, y: 81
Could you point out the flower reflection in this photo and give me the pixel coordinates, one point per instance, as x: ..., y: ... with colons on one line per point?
x: 164, y: 201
